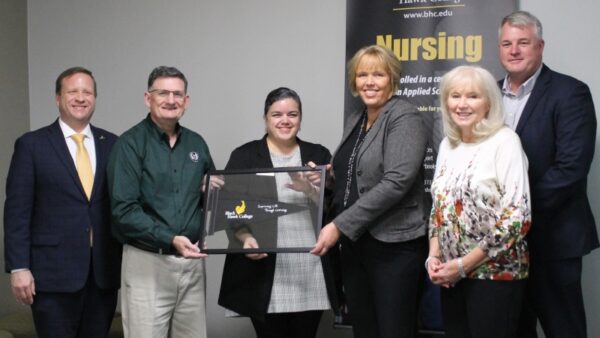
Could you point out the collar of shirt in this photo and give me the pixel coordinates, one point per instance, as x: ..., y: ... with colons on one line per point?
x: 68, y: 131
x: 88, y: 141
x: 525, y: 88
x: 161, y: 134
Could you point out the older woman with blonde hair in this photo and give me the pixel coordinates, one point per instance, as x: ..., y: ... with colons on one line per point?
x: 378, y: 201
x: 481, y: 210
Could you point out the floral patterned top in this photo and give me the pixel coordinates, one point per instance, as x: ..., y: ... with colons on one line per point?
x: 481, y: 199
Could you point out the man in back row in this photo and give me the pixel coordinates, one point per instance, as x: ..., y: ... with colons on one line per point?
x: 555, y: 118
x: 155, y: 177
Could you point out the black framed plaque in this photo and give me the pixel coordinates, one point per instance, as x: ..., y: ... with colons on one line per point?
x: 262, y: 210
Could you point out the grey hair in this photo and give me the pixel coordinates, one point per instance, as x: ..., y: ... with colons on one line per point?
x: 523, y: 19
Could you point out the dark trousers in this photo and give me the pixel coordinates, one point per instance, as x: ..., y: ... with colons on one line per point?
x: 382, y: 282
x: 288, y: 325
x: 86, y: 313
x: 554, y: 296
x: 475, y: 308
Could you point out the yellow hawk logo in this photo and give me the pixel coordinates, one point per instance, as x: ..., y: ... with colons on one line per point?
x: 240, y: 209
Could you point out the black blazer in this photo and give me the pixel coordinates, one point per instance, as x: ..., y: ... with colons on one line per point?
x: 47, y: 217
x: 246, y: 284
x: 558, y: 133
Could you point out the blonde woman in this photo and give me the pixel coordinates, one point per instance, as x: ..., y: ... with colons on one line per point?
x: 378, y: 201
x: 481, y: 210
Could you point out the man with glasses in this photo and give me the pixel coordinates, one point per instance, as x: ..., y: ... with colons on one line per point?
x: 155, y: 174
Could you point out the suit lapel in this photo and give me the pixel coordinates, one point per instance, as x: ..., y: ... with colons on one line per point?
x: 350, y: 124
x: 536, y: 95
x: 102, y: 152
x: 57, y: 140
x: 264, y: 157
x: 376, y: 127
x: 305, y: 154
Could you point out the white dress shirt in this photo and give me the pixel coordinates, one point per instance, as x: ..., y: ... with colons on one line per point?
x: 514, y: 102
x: 88, y: 141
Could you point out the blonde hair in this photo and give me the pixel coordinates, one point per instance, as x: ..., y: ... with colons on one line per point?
x: 481, y: 79
x: 383, y: 57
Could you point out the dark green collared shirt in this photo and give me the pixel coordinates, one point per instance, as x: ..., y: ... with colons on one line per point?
x: 155, y: 190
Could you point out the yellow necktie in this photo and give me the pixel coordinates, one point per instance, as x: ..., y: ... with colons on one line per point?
x: 84, y: 165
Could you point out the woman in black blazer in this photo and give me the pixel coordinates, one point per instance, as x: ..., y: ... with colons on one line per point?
x: 378, y: 201
x: 285, y: 294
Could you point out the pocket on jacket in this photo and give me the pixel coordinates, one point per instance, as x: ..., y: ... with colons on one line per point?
x: 45, y: 239
x: 403, y: 217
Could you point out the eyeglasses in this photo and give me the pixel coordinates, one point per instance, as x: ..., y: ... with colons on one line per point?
x: 164, y: 94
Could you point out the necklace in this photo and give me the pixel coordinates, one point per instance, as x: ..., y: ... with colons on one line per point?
x: 352, y: 160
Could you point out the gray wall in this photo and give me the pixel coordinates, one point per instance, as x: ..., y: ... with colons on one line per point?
x: 233, y: 53
x: 14, y: 100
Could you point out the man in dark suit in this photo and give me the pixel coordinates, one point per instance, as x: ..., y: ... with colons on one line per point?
x: 59, y: 250
x: 555, y: 119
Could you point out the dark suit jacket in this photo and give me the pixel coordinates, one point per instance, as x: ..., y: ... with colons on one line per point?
x: 558, y: 133
x: 389, y: 176
x: 47, y: 217
x: 246, y: 284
